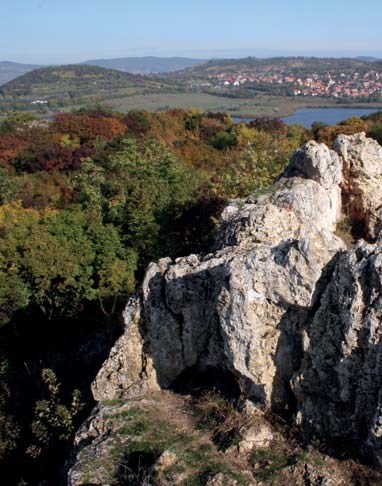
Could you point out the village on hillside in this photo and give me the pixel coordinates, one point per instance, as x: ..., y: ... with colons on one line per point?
x: 333, y: 85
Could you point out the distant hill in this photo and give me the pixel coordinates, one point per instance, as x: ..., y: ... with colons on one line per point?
x: 367, y: 58
x: 11, y: 70
x: 146, y: 65
x: 70, y: 86
x: 298, y: 66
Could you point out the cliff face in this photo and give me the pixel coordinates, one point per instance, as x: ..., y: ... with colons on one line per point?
x: 282, y: 304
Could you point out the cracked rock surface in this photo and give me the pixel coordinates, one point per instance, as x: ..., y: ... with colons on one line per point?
x: 281, y: 304
x: 241, y: 308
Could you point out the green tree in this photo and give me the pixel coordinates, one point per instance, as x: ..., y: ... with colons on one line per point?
x: 155, y: 186
x: 141, y: 189
x: 53, y: 422
x: 60, y: 260
x: 9, y: 429
x: 8, y: 186
x: 87, y: 184
x: 263, y: 159
x: 224, y: 140
x: 15, y: 120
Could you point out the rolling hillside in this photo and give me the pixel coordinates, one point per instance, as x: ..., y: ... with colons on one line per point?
x: 70, y: 86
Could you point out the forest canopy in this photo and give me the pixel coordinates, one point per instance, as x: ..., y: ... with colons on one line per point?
x: 86, y: 202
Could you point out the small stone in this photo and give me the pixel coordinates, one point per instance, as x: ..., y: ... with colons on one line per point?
x: 256, y: 437
x: 252, y: 409
x: 167, y: 458
x: 221, y: 479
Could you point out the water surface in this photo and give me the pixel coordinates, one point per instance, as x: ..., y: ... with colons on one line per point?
x: 330, y: 116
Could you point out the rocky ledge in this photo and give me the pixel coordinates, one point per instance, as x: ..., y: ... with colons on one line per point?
x: 288, y: 305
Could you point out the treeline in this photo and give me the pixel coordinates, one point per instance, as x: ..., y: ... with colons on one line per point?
x: 86, y: 201
x: 298, y: 66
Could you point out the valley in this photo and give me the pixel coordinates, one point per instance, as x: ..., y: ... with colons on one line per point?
x: 241, y: 87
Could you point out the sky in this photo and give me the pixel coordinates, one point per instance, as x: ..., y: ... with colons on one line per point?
x: 62, y: 31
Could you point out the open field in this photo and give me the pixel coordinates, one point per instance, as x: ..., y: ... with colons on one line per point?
x: 262, y: 105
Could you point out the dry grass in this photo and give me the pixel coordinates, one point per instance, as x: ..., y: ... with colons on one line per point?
x: 222, y: 417
x: 202, y: 433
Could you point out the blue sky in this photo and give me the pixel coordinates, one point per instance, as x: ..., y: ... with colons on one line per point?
x: 58, y: 31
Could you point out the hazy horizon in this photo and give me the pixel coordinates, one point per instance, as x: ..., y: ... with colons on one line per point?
x: 207, y: 55
x: 55, y: 32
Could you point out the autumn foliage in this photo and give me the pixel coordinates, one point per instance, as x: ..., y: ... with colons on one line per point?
x: 87, y: 129
x: 86, y: 202
x: 10, y: 145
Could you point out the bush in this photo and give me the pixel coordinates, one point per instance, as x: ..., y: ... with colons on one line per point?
x: 224, y: 140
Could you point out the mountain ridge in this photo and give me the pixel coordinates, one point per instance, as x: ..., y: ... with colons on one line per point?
x: 10, y: 70
x: 146, y: 64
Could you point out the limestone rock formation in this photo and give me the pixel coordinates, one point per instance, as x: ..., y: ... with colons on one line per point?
x: 241, y: 308
x: 362, y: 170
x: 339, y: 385
x: 128, y: 368
x: 281, y: 304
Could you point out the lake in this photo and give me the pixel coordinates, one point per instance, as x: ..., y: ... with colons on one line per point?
x: 330, y: 116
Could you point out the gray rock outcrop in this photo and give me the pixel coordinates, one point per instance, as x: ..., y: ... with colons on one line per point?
x: 339, y: 385
x: 241, y: 308
x: 281, y: 304
x: 362, y: 171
